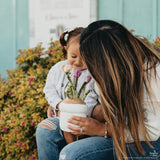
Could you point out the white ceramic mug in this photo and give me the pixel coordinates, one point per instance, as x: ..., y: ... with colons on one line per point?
x: 68, y: 110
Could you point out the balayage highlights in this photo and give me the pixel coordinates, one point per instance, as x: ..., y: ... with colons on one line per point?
x: 121, y: 64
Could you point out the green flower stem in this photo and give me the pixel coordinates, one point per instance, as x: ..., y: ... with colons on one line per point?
x: 85, y: 94
x: 72, y: 87
x: 69, y: 79
x: 75, y: 87
x: 81, y: 89
x: 74, y: 92
x: 69, y: 91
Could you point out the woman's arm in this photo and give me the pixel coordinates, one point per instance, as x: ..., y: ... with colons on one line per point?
x: 97, y: 113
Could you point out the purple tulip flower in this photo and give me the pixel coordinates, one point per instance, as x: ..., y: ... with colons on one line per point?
x: 87, y: 79
x: 77, y: 73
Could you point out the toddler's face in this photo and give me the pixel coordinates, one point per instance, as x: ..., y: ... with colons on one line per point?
x: 74, y: 58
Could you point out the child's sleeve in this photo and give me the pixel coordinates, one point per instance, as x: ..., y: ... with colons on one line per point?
x: 92, y: 98
x: 50, y: 91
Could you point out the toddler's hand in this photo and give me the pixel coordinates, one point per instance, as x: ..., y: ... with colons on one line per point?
x: 50, y: 112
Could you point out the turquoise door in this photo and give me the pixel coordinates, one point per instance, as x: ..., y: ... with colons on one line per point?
x: 141, y: 15
x: 14, y: 32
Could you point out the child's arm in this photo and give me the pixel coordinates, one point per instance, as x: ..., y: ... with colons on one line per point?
x: 50, y: 88
x: 50, y: 112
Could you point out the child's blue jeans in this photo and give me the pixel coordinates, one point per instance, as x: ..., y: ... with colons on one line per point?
x: 52, y: 146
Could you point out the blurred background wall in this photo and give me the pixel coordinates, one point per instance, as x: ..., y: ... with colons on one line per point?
x: 14, y: 32
x: 25, y: 23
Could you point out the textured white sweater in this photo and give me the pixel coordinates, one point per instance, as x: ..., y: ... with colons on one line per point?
x: 152, y: 110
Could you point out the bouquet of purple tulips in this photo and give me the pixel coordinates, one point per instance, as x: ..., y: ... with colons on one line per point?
x: 71, y: 88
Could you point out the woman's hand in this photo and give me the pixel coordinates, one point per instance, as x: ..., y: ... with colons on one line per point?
x: 89, y: 126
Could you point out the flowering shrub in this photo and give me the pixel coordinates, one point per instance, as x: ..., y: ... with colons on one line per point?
x: 157, y: 42
x: 22, y: 102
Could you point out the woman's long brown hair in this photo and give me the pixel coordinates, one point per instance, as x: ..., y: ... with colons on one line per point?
x: 121, y: 64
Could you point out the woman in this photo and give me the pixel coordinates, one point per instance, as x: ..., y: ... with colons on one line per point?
x: 126, y: 70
